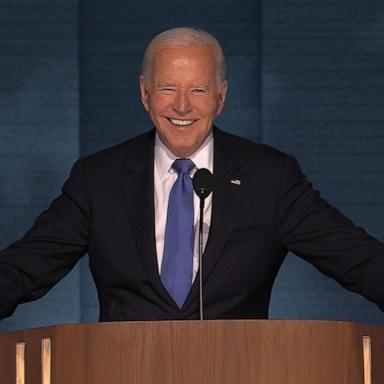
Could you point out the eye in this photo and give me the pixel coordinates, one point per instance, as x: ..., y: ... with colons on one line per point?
x: 167, y: 90
x: 199, y: 91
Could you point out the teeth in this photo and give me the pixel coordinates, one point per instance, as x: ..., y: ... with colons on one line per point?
x: 181, y: 122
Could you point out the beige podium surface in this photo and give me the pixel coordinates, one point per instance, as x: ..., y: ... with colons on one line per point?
x: 199, y: 352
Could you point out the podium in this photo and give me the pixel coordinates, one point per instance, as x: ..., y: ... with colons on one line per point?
x: 198, y: 352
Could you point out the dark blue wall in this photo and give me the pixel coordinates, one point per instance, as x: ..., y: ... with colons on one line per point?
x: 39, y: 131
x: 323, y: 88
x: 304, y: 76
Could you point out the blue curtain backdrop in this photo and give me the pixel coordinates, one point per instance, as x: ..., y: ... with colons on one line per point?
x: 305, y: 77
x: 39, y: 131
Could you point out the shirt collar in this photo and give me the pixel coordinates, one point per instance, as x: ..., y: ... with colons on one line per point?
x: 202, y: 158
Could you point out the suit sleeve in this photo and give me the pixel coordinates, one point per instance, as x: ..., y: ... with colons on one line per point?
x: 30, y: 267
x: 319, y: 233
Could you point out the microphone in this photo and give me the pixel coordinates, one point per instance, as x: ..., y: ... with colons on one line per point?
x: 202, y: 182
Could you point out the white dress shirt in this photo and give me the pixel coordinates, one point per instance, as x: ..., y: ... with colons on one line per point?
x: 164, y: 177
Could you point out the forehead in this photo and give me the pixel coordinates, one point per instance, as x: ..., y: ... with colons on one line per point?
x: 183, y: 63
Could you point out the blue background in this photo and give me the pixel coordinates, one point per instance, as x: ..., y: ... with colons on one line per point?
x: 306, y: 77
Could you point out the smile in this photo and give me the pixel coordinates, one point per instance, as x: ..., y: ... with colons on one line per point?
x: 180, y: 122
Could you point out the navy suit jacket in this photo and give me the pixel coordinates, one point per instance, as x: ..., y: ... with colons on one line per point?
x: 106, y: 209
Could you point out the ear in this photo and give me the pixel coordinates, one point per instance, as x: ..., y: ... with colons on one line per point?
x: 144, y: 93
x: 222, y: 95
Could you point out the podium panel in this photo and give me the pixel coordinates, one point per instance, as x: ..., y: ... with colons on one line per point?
x: 204, y: 352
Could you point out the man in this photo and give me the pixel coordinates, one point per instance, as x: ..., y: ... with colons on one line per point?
x: 130, y: 208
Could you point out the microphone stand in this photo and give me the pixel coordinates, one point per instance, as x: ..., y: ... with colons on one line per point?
x: 201, y: 250
x: 202, y: 185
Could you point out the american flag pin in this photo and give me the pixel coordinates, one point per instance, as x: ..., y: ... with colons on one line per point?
x: 235, y: 181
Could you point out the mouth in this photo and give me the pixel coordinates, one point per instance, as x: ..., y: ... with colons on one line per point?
x: 180, y: 122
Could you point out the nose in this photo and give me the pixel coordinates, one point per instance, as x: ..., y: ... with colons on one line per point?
x: 182, y: 105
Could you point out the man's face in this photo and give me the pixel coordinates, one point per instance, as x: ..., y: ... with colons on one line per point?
x: 183, y: 96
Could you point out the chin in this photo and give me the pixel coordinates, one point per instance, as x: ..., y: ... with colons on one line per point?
x: 182, y: 149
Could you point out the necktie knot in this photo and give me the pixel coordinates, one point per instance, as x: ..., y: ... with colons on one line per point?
x: 182, y: 166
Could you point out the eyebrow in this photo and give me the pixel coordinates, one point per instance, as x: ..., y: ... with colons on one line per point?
x: 164, y: 84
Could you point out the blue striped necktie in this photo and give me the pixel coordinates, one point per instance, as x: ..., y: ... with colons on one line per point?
x: 177, y: 265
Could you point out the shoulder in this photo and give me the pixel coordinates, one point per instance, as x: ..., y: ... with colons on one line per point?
x: 251, y: 155
x: 108, y: 163
x: 120, y: 152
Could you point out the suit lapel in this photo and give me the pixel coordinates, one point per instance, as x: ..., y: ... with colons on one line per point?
x: 228, y: 195
x: 138, y: 192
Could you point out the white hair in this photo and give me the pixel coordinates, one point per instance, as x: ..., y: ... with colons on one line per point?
x: 182, y: 37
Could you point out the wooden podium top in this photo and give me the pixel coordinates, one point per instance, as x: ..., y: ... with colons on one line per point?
x: 204, y: 352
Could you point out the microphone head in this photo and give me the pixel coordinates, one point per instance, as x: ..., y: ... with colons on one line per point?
x: 202, y: 182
